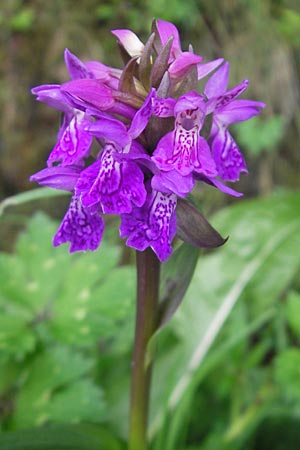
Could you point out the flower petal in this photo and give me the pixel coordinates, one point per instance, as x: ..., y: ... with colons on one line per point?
x: 63, y: 178
x: 204, y: 69
x: 79, y: 227
x: 117, y: 186
x: 173, y: 182
x: 129, y: 40
x: 89, y: 92
x: 52, y: 96
x: 218, y: 82
x: 219, y: 185
x: 164, y: 107
x: 76, y: 67
x: 74, y: 143
x: 166, y: 30
x: 153, y: 225
x: 141, y: 118
x: 239, y: 110
x: 229, y: 160
x: 184, y: 151
x: 183, y: 63
x: 110, y: 129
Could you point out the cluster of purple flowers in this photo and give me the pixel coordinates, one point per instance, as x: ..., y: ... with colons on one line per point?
x: 154, y: 136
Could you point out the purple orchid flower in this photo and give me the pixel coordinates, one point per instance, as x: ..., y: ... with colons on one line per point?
x: 183, y: 149
x: 151, y: 144
x: 227, y: 110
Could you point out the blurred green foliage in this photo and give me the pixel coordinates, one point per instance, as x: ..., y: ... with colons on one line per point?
x: 227, y: 362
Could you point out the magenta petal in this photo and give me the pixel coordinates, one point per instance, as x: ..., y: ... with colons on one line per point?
x: 166, y: 30
x: 153, y: 225
x: 184, y: 151
x: 114, y: 185
x: 231, y: 94
x: 84, y: 186
x: 190, y: 101
x: 129, y: 40
x: 163, y: 154
x: 63, y: 178
x: 173, y: 182
x: 52, y: 96
x: 141, y: 118
x: 121, y: 184
x: 239, y: 110
x: 76, y: 68
x: 219, y: 185
x: 203, y: 161
x: 218, y: 82
x: 74, y: 143
x: 79, y: 227
x: 164, y: 107
x: 91, y: 92
x: 181, y: 66
x: 229, y: 160
x: 110, y: 129
x: 105, y: 74
x: 204, y: 69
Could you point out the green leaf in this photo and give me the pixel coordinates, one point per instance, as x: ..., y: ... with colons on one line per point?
x: 287, y: 373
x: 79, y: 401
x: 51, y: 378
x: 292, y: 312
x: 175, y: 281
x: 16, y: 337
x: 84, y: 315
x: 29, y: 196
x: 193, y: 228
x: 260, y: 260
x: 61, y: 437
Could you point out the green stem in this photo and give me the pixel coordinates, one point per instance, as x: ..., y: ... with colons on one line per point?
x: 148, y: 268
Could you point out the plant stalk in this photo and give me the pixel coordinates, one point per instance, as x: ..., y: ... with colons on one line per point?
x: 148, y: 268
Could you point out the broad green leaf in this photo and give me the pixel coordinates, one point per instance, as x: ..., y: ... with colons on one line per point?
x: 175, y: 280
x: 49, y: 375
x: 16, y: 337
x: 61, y: 437
x: 83, y: 297
x: 292, y: 312
x: 42, y: 264
x: 79, y: 401
x: 287, y: 373
x: 91, y: 314
x: 13, y: 285
x: 259, y: 260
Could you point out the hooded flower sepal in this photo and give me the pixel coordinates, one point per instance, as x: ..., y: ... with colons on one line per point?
x: 194, y: 229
